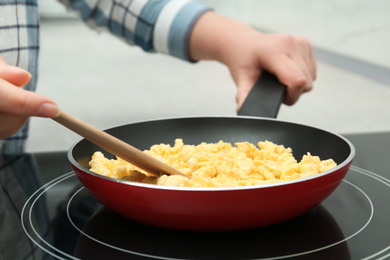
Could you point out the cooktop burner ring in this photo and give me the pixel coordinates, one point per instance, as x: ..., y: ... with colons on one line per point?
x: 34, y: 198
x: 372, y: 175
x: 280, y: 257
x: 386, y: 182
x: 34, y: 236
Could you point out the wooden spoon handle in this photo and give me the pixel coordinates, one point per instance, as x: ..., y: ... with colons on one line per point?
x: 115, y: 146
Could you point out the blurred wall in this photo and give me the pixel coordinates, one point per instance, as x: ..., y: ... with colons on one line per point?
x: 52, y: 9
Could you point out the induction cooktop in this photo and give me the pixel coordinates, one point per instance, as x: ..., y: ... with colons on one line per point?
x: 353, y: 223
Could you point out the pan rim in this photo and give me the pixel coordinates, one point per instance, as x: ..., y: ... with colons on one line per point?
x: 343, y: 164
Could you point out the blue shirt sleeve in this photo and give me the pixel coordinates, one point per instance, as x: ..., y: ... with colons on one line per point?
x: 155, y: 25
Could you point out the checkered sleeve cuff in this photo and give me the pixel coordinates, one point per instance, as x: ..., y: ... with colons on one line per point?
x: 173, y: 27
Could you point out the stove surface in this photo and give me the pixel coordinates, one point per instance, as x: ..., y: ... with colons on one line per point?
x: 353, y: 223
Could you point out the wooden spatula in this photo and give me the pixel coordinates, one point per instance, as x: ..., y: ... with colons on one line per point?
x: 115, y: 146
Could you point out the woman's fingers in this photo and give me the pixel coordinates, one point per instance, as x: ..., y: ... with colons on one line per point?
x: 14, y: 75
x: 17, y: 104
x: 20, y: 102
x: 293, y: 63
x: 294, y: 77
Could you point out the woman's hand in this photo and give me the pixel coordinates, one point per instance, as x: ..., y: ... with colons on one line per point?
x: 17, y: 104
x: 247, y: 53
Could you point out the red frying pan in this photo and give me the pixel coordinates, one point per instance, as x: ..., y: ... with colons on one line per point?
x: 212, y: 209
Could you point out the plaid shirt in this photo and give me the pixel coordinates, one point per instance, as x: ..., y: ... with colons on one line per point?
x: 155, y: 25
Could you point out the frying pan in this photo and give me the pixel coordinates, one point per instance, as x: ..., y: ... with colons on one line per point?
x: 227, y: 208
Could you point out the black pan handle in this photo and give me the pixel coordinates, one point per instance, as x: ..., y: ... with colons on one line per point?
x: 265, y: 98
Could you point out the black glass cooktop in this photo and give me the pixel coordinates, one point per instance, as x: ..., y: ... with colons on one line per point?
x: 353, y: 223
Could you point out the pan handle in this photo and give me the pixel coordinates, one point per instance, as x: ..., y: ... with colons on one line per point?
x: 265, y: 98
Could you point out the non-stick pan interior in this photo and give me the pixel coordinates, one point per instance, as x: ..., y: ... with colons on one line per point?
x: 300, y: 138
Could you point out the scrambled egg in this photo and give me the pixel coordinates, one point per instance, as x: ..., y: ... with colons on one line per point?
x: 217, y: 164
